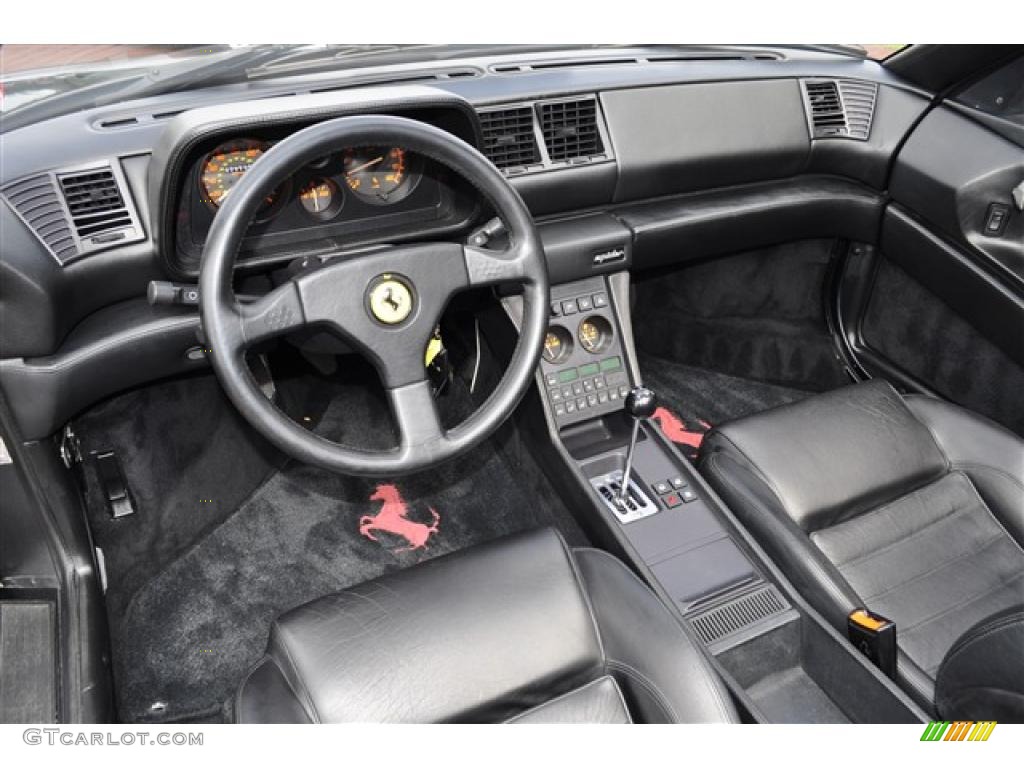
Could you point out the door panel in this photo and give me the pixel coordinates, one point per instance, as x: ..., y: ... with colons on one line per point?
x: 950, y: 172
x: 906, y: 322
x: 940, y: 306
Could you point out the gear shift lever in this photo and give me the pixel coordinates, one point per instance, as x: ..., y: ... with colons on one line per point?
x: 640, y: 404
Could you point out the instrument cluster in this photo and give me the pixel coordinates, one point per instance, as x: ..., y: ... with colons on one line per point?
x: 374, y: 175
x: 354, y: 196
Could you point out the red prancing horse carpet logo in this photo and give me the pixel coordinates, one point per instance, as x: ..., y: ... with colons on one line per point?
x: 676, y: 431
x: 393, y: 518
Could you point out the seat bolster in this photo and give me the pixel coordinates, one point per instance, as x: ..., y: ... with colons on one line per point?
x: 990, y: 455
x: 598, y: 702
x: 665, y: 677
x: 478, y: 636
x: 982, y: 675
x: 754, y: 502
x: 265, y: 696
x: 835, y: 455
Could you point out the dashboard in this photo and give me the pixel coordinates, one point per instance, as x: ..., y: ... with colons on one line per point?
x: 626, y: 163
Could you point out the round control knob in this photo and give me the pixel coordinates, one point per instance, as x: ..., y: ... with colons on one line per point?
x: 641, y: 402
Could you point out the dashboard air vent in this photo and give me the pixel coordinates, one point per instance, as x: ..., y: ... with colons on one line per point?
x: 570, y: 130
x: 76, y: 212
x: 859, y: 102
x: 840, y: 108
x: 37, y: 203
x: 94, y: 202
x: 509, y: 140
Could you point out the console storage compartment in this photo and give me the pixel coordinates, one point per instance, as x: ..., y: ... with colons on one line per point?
x: 797, y: 672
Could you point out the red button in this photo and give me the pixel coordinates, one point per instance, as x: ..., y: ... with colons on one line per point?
x: 672, y: 500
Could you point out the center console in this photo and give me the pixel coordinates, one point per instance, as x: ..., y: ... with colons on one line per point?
x: 782, y: 662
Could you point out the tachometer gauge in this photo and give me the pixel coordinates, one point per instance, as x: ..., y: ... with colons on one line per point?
x: 379, y: 175
x: 224, y: 168
x: 595, y: 334
x: 321, y: 199
x: 557, y: 344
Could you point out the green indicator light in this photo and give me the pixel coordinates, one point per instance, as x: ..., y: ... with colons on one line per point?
x: 589, y: 369
x: 569, y: 374
x: 610, y: 364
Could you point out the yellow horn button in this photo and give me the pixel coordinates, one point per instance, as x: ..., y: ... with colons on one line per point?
x: 390, y: 301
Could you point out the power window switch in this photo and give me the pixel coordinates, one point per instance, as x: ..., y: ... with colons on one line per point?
x: 996, y: 218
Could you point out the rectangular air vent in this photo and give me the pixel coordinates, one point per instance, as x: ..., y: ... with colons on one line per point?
x: 94, y: 202
x: 509, y: 138
x: 738, y: 614
x: 544, y: 135
x: 840, y: 108
x: 570, y: 130
x: 75, y: 212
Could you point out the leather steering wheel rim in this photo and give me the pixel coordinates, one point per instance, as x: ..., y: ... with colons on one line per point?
x: 338, y: 296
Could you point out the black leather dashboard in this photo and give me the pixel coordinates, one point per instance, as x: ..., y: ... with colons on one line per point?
x: 709, y: 157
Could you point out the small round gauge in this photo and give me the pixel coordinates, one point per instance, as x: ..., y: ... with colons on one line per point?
x: 321, y: 198
x: 557, y: 344
x: 226, y: 165
x: 379, y: 175
x: 595, y: 334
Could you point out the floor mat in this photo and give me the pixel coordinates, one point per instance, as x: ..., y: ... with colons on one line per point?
x: 183, y: 639
x: 693, y: 400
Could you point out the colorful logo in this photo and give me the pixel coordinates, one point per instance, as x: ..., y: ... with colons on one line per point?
x: 393, y: 518
x: 959, y: 730
x: 678, y: 432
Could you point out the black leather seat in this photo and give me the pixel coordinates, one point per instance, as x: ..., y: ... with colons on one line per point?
x: 520, y: 630
x: 911, y: 507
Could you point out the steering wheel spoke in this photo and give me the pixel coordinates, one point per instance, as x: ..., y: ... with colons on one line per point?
x: 485, y: 267
x: 416, y: 416
x: 277, y: 313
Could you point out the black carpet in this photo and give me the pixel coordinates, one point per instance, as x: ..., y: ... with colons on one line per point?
x: 758, y: 315
x: 699, y: 399
x: 187, y: 625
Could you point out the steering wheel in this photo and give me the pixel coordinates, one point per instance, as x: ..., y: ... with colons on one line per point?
x: 386, y: 304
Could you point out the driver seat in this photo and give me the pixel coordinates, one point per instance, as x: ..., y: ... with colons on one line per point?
x: 518, y: 630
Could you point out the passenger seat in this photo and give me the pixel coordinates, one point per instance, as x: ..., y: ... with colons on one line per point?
x: 910, y: 507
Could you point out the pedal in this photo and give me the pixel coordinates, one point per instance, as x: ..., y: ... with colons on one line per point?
x: 636, y: 504
x: 115, y: 489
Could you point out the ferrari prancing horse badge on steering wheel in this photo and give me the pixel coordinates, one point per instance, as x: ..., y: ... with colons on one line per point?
x: 390, y: 300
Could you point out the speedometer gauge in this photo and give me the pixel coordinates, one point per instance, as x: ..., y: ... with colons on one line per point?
x: 379, y: 175
x: 224, y: 168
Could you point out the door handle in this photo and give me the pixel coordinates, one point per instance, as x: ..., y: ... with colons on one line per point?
x: 1018, y: 196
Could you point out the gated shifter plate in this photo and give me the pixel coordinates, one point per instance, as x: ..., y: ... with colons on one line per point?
x: 636, y: 506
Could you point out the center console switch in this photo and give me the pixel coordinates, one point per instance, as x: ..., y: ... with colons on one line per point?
x: 582, y: 367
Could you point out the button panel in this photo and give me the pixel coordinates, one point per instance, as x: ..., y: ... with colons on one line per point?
x: 585, y: 382
x: 674, y: 491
